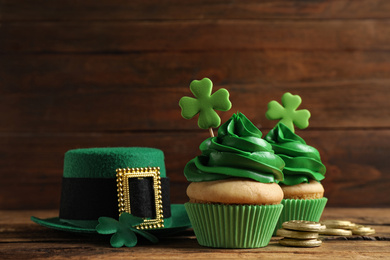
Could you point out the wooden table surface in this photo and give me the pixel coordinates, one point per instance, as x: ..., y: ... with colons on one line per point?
x: 22, y: 239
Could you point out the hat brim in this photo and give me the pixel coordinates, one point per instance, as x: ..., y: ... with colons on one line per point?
x: 178, y: 221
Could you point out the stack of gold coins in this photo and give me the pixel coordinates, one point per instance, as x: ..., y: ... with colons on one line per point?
x: 345, y: 228
x: 300, y: 233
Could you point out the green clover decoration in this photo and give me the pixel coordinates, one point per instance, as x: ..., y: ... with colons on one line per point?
x: 288, y: 113
x: 124, y: 233
x: 204, y: 103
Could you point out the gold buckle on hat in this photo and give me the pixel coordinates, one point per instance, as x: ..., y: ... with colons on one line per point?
x: 122, y: 176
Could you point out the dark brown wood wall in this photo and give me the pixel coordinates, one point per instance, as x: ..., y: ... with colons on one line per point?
x: 110, y: 73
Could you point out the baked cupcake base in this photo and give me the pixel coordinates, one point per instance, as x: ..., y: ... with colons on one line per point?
x: 233, y: 226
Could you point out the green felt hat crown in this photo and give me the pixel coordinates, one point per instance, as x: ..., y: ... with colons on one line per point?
x: 90, y: 190
x: 103, y: 162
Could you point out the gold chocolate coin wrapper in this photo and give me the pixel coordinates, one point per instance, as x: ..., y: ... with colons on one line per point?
x: 362, y: 230
x: 300, y: 243
x: 337, y: 227
x: 335, y: 232
x: 342, y: 224
x: 303, y: 225
x: 296, y: 234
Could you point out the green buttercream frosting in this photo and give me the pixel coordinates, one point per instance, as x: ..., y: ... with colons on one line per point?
x: 103, y: 162
x: 237, y: 151
x: 303, y: 162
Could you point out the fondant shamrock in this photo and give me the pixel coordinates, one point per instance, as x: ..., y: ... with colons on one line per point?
x: 205, y: 103
x: 123, y: 229
x: 288, y: 113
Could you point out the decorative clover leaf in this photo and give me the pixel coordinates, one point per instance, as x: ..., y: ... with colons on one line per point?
x: 123, y: 229
x: 205, y: 103
x: 288, y: 113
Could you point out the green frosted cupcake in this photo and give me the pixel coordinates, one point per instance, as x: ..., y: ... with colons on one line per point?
x: 234, y: 197
x: 303, y: 193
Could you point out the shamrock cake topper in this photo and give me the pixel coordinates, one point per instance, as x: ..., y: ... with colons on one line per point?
x: 288, y: 113
x: 204, y: 103
x: 124, y: 230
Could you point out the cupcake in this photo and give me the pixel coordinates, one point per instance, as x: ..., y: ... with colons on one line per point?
x: 234, y: 200
x: 303, y: 192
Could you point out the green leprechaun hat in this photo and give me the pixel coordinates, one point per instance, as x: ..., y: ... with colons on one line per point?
x: 102, y: 185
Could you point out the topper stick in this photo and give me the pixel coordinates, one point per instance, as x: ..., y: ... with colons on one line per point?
x: 211, y: 132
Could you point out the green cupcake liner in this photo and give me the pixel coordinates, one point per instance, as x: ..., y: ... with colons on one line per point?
x: 295, y: 209
x: 233, y: 226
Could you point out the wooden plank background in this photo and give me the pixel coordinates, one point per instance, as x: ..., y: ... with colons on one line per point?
x: 110, y: 73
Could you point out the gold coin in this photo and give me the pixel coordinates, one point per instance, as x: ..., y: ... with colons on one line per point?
x: 363, y: 233
x: 302, y: 225
x: 361, y: 227
x: 343, y: 224
x: 362, y: 230
x: 335, y: 232
x: 323, y: 227
x: 300, y: 242
x: 335, y: 222
x: 296, y: 234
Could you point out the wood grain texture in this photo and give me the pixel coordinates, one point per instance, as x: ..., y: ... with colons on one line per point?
x: 21, y: 10
x: 356, y: 172
x: 74, y: 72
x: 49, y: 99
x: 213, y: 35
x: 22, y: 239
x: 86, y: 74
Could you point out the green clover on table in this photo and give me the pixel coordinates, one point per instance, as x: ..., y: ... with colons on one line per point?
x: 123, y: 229
x: 205, y: 103
x: 288, y: 113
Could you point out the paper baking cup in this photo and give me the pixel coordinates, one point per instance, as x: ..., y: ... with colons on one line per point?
x: 299, y: 209
x: 233, y: 226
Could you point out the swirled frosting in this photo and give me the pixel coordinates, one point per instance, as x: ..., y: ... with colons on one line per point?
x: 238, y: 151
x: 303, y: 162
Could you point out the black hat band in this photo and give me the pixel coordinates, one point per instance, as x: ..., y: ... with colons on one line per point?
x: 91, y: 198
